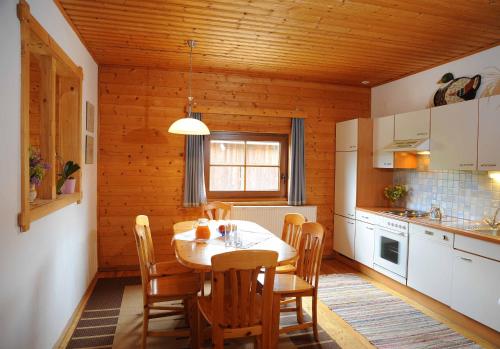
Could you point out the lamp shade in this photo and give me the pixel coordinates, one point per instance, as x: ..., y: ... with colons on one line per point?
x: 189, y: 126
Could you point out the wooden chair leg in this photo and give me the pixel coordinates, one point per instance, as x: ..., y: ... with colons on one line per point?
x: 217, y: 338
x: 145, y: 326
x: 194, y: 323
x: 258, y: 342
x: 315, y: 317
x: 300, y: 314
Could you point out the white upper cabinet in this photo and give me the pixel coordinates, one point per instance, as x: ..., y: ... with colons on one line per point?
x: 412, y: 125
x: 347, y: 135
x: 383, y: 135
x: 454, y: 136
x: 489, y: 133
x: 345, y: 183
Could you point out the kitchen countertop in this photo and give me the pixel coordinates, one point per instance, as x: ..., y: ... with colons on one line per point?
x: 449, y: 224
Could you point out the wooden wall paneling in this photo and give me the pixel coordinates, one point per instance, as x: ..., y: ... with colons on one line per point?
x: 371, y: 181
x: 146, y: 176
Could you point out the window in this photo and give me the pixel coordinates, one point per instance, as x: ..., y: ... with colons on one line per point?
x: 246, y: 165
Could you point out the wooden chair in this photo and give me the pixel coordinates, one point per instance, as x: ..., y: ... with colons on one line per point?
x: 216, y: 210
x: 305, y: 281
x: 158, y: 269
x: 155, y: 290
x: 235, y: 308
x: 292, y: 228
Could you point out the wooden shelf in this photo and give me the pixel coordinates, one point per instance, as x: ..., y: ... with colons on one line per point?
x: 41, y: 208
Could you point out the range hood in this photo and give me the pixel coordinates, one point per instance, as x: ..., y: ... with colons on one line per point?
x: 408, y: 145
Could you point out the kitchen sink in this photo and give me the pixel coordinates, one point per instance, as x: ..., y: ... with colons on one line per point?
x: 483, y: 229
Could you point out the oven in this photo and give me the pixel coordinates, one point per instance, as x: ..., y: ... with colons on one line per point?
x: 391, y: 249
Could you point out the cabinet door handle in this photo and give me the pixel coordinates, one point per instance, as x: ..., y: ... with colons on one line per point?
x: 466, y: 259
x: 368, y: 228
x: 422, y: 134
x: 488, y: 165
x: 464, y: 165
x: 445, y: 238
x: 350, y: 223
x: 429, y: 233
x: 350, y: 214
x: 352, y: 146
x: 365, y: 217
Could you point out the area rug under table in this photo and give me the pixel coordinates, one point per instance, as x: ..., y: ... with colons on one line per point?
x: 113, y: 319
x: 385, y: 320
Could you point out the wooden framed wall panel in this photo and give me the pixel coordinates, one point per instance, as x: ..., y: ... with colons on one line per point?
x: 146, y: 175
x: 42, y: 57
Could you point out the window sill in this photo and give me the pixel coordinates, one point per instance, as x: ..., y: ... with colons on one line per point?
x: 42, y: 208
x: 256, y: 202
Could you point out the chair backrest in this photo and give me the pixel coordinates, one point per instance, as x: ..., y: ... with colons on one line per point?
x: 310, y: 252
x: 141, y: 244
x: 234, y: 280
x: 144, y: 221
x: 216, y: 210
x: 292, y: 228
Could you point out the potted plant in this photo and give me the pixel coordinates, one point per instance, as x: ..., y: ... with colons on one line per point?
x: 38, y: 168
x: 66, y: 183
x: 395, y: 193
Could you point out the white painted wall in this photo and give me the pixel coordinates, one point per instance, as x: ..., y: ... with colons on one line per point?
x: 45, y: 271
x: 414, y: 92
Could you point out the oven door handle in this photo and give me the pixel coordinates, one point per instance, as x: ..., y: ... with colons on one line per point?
x: 392, y: 232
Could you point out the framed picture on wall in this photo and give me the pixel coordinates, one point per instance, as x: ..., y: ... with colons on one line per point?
x: 89, y: 149
x: 90, y: 111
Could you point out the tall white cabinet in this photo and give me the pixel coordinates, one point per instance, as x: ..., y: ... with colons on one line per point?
x: 356, y: 183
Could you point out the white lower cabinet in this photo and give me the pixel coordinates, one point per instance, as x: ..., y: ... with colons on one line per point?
x: 476, y: 288
x: 430, y: 262
x: 364, y: 243
x: 344, y: 230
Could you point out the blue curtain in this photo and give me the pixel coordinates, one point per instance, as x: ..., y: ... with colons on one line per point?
x: 194, y: 175
x: 297, y: 183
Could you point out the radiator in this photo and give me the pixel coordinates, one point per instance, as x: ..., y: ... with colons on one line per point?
x: 271, y: 217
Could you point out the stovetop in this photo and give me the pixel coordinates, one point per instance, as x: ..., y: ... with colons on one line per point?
x: 407, y: 213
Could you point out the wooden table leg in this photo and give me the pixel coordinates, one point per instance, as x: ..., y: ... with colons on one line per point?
x: 275, y: 322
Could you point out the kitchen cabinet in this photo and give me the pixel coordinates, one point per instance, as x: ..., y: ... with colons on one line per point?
x: 346, y: 135
x: 430, y: 262
x: 344, y: 230
x: 489, y: 130
x: 383, y: 135
x: 412, y: 125
x: 454, y: 131
x: 364, y: 243
x: 476, y: 288
x: 345, y: 183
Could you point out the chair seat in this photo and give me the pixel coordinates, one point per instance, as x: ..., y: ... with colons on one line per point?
x: 168, y: 268
x: 205, y: 306
x: 288, y: 284
x: 286, y: 269
x: 175, y: 286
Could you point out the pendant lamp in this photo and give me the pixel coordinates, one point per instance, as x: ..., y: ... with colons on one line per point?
x: 189, y: 125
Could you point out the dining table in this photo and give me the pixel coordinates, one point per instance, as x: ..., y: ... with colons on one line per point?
x: 197, y: 254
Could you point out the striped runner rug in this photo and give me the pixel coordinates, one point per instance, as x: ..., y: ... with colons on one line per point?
x: 112, y: 318
x: 385, y: 320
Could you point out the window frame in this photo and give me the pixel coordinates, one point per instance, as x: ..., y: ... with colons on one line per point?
x: 248, y: 136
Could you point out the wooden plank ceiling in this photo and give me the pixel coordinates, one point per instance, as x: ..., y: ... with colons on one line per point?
x: 337, y: 41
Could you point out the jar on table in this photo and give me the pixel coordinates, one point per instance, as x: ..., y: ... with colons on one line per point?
x: 202, y: 229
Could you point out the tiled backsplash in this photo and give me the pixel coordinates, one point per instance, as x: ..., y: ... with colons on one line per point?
x: 463, y: 194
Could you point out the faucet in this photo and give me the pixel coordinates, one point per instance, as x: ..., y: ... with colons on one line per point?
x: 436, y: 213
x: 493, y: 223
